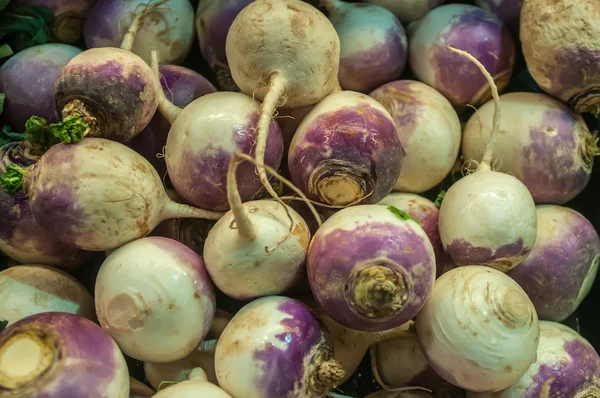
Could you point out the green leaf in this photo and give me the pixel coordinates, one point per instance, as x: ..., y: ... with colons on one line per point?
x: 401, y: 214
x: 3, y: 325
x: 39, y: 132
x: 26, y: 26
x: 440, y: 198
x: 7, y: 135
x: 5, y: 51
x: 2, y: 98
x: 3, y: 4
x: 12, y: 180
x: 72, y: 129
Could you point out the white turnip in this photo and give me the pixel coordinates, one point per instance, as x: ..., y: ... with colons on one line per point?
x: 407, y: 10
x: 195, y: 386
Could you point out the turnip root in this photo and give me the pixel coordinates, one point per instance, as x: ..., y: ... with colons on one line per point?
x: 195, y: 386
x: 507, y: 11
x: 488, y: 217
x: 56, y: 354
x: 562, y: 51
x: 275, y: 347
x: 562, y: 267
x: 371, y: 268
x: 543, y: 143
x: 150, y: 291
x: 429, y: 129
x: 139, y: 390
x: 346, y: 151
x: 407, y: 10
x: 567, y: 366
x: 282, y: 52
x: 32, y: 289
x: 478, y: 329
x: 169, y: 28
x: 373, y: 44
x: 469, y: 28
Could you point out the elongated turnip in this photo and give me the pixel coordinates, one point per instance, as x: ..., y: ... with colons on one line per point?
x: 561, y: 269
x: 407, y: 10
x: 195, y: 386
x: 508, y: 11
x: 542, y: 142
x: 346, y: 151
x: 55, y: 354
x: 150, y: 290
x: 488, y: 217
x: 562, y: 51
x: 469, y: 28
x: 283, y: 52
x: 429, y: 129
x: 274, y: 347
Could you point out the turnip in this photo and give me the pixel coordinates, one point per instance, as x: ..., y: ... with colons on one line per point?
x: 56, y: 354
x: 283, y: 52
x: 32, y: 289
x: 478, y: 329
x: 371, y: 268
x: 561, y: 269
x: 562, y: 51
x: 407, y: 10
x: 373, y: 44
x: 168, y: 28
x: 257, y: 248
x: 429, y: 129
x: 98, y: 194
x: 508, y: 11
x: 567, y: 366
x: 275, y: 347
x: 195, y: 386
x: 488, y: 217
x: 155, y: 299
x: 469, y: 28
x: 27, y: 79
x: 288, y: 121
x: 542, y: 143
x: 139, y: 390
x: 213, y: 20
x: 346, y: 151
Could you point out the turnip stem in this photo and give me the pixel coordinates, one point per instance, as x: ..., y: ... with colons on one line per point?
x: 244, y: 225
x: 166, y: 107
x: 129, y: 37
x: 177, y: 210
x: 486, y: 160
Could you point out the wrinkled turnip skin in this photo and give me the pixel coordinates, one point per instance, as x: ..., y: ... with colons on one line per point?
x: 541, y: 141
x: 468, y: 28
x: 488, y: 218
x: 567, y: 366
x: 169, y: 28
x: 289, y: 37
x: 117, y: 88
x: 562, y: 51
x: 373, y: 45
x: 27, y: 79
x: 171, y: 295
x: 560, y: 270
x: 407, y: 10
x: 361, y: 237
x: 429, y: 129
x: 508, y: 11
x: 351, y: 135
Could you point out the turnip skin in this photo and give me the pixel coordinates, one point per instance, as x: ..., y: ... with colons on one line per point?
x: 508, y: 11
x: 195, y: 386
x: 346, y: 150
x: 468, y: 28
x: 562, y: 51
x: 562, y: 267
x: 407, y: 10
x: 429, y: 129
x: 542, y: 142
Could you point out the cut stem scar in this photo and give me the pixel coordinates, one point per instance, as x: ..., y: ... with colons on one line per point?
x: 136, y: 22
x: 169, y: 110
x: 244, y: 225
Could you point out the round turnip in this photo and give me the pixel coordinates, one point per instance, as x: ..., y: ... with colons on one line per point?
x: 195, y: 386
x: 407, y: 10
x: 507, y: 11
x: 429, y: 129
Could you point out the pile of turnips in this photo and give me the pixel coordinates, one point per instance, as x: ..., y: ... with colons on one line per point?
x: 324, y: 198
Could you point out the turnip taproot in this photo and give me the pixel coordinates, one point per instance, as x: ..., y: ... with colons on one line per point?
x: 283, y: 52
x: 195, y: 386
x: 407, y: 10
x: 507, y: 11
x: 429, y: 129
x: 488, y: 217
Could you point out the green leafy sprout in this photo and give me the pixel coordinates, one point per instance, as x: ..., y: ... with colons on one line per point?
x: 440, y: 198
x: 12, y: 180
x: 401, y: 214
x: 71, y: 129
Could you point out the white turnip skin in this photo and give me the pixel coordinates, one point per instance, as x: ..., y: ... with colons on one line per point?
x: 429, y: 129
x: 284, y: 53
x: 195, y: 386
x: 155, y: 299
x: 542, y: 142
x: 508, y: 11
x: 562, y: 51
x: 559, y: 272
x: 274, y: 347
x: 32, y: 289
x: 567, y: 366
x: 98, y: 194
x: 407, y: 10
x: 373, y: 44
x: 139, y: 390
x: 346, y: 151
x: 469, y: 28
x: 369, y: 268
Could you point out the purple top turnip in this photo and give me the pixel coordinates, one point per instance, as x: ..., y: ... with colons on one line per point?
x: 168, y: 28
x: 468, y: 28
x: 155, y: 299
x: 55, y: 354
x: 562, y: 51
x: 508, y: 11
x: 429, y: 129
x: 274, y: 347
x: 373, y: 44
x: 407, y: 10
x: 542, y: 142
x: 560, y: 270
